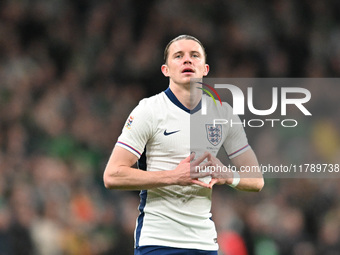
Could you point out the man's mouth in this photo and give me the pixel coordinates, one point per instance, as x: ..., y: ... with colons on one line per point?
x: 188, y: 70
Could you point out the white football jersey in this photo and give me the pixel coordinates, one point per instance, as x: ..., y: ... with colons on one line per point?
x: 177, y: 216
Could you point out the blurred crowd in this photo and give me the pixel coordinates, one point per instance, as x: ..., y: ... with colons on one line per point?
x: 71, y: 72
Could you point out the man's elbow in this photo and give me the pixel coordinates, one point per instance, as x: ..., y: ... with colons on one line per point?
x: 107, y: 182
x: 110, y: 180
x: 259, y: 184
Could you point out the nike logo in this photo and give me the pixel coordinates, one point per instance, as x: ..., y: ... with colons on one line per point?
x: 170, y: 133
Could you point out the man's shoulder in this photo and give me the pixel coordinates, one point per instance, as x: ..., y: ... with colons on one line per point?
x: 217, y: 107
x: 152, y: 100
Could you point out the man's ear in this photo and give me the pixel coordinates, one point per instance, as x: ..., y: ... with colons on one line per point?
x: 165, y: 70
x: 206, y: 70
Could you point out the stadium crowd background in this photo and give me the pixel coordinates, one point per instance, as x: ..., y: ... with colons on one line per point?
x: 71, y: 72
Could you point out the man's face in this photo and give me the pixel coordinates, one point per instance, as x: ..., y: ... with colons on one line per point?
x: 185, y: 60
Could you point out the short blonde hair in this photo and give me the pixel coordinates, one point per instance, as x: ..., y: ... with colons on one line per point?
x: 182, y: 37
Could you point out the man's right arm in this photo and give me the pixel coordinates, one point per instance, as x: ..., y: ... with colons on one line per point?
x: 119, y: 173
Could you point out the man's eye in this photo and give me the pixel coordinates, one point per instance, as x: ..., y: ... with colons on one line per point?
x: 196, y: 56
x: 178, y: 56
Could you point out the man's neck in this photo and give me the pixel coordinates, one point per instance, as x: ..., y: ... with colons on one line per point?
x: 189, y: 99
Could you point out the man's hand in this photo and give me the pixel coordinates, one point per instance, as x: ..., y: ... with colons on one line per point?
x: 249, y: 181
x: 219, y: 177
x: 188, y: 170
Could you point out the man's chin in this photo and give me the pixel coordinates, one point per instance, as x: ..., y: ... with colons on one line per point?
x: 189, y: 79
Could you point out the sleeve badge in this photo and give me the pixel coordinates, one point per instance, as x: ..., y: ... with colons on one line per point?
x: 129, y: 122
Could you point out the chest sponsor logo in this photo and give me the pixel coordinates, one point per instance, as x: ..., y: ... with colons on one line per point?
x: 214, y: 133
x: 170, y: 133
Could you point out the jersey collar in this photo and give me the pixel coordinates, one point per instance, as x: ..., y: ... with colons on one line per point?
x: 174, y: 99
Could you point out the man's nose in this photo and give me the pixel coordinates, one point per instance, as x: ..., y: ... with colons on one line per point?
x: 187, y: 59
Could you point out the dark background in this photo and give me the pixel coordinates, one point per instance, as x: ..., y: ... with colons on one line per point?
x: 71, y: 72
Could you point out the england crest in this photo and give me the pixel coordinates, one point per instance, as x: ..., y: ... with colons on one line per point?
x: 214, y: 133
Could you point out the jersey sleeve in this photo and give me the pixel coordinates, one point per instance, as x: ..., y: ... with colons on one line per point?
x: 137, y: 129
x: 236, y: 141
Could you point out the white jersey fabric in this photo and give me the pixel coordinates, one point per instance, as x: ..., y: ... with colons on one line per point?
x: 177, y: 216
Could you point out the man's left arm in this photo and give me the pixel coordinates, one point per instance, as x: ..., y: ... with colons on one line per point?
x: 248, y: 176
